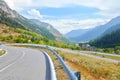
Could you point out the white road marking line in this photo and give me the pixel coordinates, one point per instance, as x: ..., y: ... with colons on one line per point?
x: 23, y: 54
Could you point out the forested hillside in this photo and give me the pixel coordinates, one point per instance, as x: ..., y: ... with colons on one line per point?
x: 115, y: 27
x: 109, y: 40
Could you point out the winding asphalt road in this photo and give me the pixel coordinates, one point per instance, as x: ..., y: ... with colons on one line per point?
x: 23, y: 64
x: 78, y: 52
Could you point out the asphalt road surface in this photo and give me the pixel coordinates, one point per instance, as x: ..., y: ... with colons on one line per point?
x: 23, y: 64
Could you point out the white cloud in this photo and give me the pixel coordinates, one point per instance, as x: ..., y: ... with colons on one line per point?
x: 10, y: 3
x: 35, y: 13
x: 109, y: 8
x: 66, y: 25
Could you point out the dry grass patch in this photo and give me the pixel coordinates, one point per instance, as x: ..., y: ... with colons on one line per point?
x: 6, y: 31
x: 105, y: 56
x: 2, y: 52
x: 98, y: 69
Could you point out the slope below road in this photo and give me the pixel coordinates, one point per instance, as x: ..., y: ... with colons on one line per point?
x: 88, y: 55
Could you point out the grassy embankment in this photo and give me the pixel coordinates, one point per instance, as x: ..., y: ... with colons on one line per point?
x: 92, y: 69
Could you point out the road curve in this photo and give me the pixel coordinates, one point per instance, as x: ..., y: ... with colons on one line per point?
x: 23, y: 64
x: 76, y: 52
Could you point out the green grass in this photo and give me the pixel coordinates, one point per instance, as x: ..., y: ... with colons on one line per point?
x: 2, y: 52
x: 105, y: 56
x: 17, y: 35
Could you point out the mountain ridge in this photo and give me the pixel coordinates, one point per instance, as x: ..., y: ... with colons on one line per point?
x: 48, y: 26
x: 99, y: 30
x: 75, y: 33
x: 12, y: 18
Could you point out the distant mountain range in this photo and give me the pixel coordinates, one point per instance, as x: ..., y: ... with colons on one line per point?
x: 12, y: 18
x: 98, y: 31
x: 76, y: 33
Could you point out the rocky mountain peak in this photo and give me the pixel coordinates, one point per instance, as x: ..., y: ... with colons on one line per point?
x: 5, y: 8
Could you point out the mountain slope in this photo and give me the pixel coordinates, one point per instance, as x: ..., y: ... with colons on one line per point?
x: 92, y: 34
x: 49, y: 27
x: 107, y: 41
x: 29, y: 25
x: 113, y: 28
x: 13, y: 19
x: 75, y: 33
x: 7, y: 15
x: 98, y: 31
x: 17, y: 35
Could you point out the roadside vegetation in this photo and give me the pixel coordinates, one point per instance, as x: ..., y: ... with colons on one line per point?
x: 110, y: 40
x: 109, y: 43
x: 17, y: 35
x: 2, y: 52
x: 114, y: 50
x: 92, y: 69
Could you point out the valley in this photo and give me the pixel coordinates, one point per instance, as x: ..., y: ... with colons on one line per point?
x: 62, y: 41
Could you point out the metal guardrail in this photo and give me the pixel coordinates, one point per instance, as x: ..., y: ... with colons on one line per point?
x: 72, y: 75
x: 52, y: 68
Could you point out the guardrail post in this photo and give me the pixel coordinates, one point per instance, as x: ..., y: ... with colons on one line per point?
x: 78, y: 75
x: 63, y: 58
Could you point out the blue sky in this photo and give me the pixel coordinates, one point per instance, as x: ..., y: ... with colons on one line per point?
x: 70, y: 14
